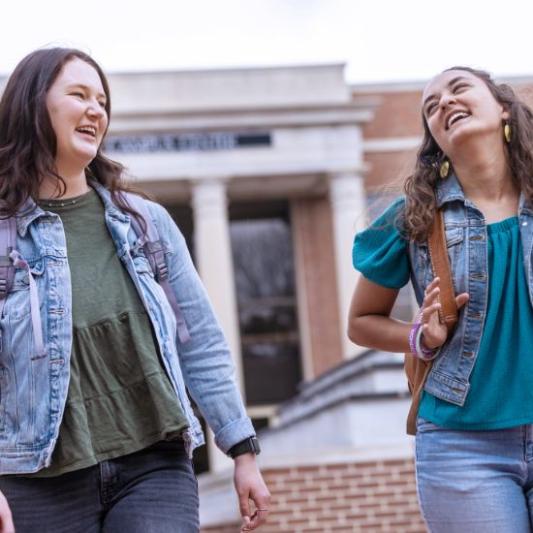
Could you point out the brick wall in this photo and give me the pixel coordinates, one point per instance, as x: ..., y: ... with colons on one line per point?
x: 388, y: 169
x: 312, y: 225
x: 397, y: 115
x: 367, y: 497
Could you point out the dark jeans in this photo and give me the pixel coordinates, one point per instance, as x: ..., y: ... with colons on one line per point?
x: 151, y: 491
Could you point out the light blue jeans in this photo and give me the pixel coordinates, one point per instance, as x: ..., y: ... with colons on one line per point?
x: 151, y: 491
x: 475, y: 481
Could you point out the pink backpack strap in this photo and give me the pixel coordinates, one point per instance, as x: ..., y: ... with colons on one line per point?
x: 10, y: 259
x: 154, y: 250
x: 8, y: 239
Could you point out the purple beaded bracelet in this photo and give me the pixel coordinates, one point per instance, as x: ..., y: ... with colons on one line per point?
x: 412, y: 337
x: 427, y: 354
x: 415, y: 344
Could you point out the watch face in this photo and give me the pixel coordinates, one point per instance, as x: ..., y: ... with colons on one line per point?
x: 255, y: 445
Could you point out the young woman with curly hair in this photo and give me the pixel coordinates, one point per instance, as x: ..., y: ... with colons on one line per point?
x: 474, y: 437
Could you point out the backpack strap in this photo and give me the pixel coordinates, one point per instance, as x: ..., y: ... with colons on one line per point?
x: 416, y: 369
x: 154, y: 250
x: 8, y: 263
x: 19, y: 262
x: 440, y: 262
x: 8, y: 238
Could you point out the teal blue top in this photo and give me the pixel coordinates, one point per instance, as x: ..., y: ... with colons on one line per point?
x: 501, y: 395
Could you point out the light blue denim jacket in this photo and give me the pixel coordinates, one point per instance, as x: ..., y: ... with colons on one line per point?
x: 33, y: 388
x: 466, y: 236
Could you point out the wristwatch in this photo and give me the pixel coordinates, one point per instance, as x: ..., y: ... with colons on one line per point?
x: 249, y: 445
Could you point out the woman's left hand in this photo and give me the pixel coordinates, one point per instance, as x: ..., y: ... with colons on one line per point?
x: 250, y: 486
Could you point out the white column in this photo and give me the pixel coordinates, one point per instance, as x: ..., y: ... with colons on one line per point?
x: 348, y: 205
x: 215, y: 265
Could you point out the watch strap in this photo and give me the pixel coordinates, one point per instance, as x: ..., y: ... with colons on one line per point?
x: 249, y: 445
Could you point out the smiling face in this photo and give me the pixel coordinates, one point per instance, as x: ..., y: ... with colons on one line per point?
x: 457, y: 106
x: 76, y: 104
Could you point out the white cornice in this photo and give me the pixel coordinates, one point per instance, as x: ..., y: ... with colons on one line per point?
x: 232, y: 69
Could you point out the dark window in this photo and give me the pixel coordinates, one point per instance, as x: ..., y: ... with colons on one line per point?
x: 182, y: 215
x: 264, y: 278
x: 260, y: 423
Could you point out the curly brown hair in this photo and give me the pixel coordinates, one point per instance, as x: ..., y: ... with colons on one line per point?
x: 27, y: 140
x: 419, y: 187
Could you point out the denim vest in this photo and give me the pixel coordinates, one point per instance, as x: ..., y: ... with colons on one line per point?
x: 466, y: 236
x: 33, y: 387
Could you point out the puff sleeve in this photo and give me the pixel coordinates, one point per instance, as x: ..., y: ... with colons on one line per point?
x: 380, y: 252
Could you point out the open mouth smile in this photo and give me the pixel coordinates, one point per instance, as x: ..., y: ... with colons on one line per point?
x: 455, y: 117
x: 87, y: 130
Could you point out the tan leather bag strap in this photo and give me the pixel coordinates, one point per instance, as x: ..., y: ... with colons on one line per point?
x: 438, y: 252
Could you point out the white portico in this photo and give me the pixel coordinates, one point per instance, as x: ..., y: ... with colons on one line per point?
x: 213, y: 136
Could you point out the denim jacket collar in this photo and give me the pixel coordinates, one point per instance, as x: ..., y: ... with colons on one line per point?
x: 31, y: 211
x: 448, y: 190
x: 525, y: 206
x: 111, y: 209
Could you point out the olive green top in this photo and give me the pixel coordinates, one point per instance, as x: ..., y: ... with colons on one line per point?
x: 120, y: 399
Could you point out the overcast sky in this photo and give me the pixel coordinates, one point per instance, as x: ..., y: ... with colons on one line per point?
x: 379, y: 40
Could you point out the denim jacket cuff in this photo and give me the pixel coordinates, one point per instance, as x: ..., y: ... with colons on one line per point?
x: 234, y: 432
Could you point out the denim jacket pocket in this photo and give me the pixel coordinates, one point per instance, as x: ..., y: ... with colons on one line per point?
x: 17, y: 304
x: 455, y: 243
x: 454, y: 235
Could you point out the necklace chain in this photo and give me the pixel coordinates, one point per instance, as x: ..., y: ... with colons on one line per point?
x: 61, y: 204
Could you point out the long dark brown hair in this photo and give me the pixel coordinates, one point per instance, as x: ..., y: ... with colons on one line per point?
x: 28, y: 142
x: 420, y: 186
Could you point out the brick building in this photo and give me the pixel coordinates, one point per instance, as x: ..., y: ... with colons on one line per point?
x: 269, y: 172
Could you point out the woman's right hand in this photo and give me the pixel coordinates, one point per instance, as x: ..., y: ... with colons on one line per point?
x: 6, y: 520
x: 434, y: 333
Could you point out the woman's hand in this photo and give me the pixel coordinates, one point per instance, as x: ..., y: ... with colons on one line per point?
x: 6, y: 520
x: 434, y: 333
x: 250, y: 486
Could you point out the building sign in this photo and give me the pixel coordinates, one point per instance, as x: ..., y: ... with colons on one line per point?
x: 185, y: 142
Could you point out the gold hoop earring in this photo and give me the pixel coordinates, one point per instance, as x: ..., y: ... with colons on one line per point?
x: 444, y: 169
x: 507, y: 132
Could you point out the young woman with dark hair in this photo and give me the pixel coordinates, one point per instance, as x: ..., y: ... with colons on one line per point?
x: 96, y: 429
x: 474, y: 437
